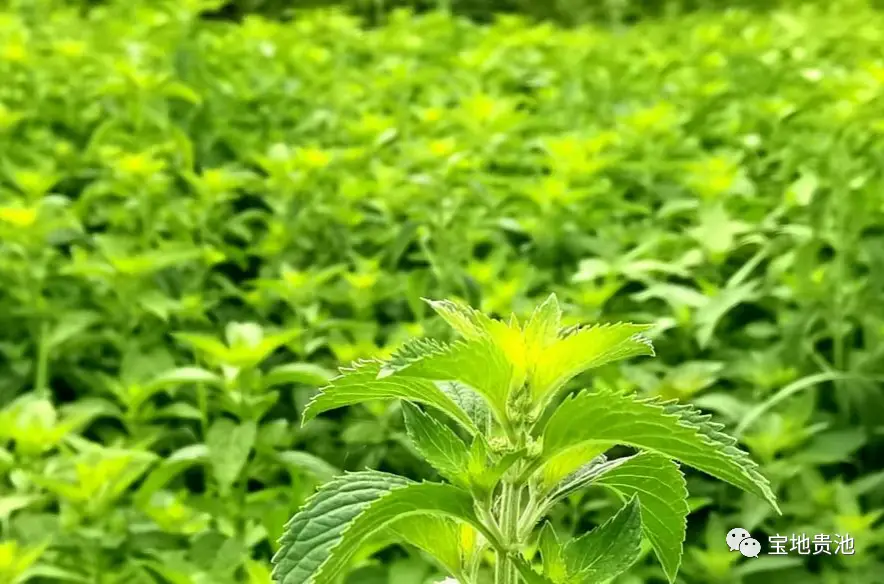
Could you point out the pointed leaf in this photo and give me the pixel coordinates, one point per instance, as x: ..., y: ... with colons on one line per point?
x: 485, y: 468
x: 583, y: 349
x: 479, y: 363
x: 542, y: 329
x: 568, y: 462
x: 303, y: 373
x: 608, y: 550
x: 663, y: 494
x: 438, y: 444
x: 583, y: 476
x: 169, y: 468
x: 473, y: 325
x: 675, y: 431
x: 552, y: 552
x: 318, y: 526
x: 467, y: 321
x: 327, y: 532
x: 528, y: 574
x: 229, y: 446
x: 469, y: 401
x: 450, y: 543
x: 208, y: 345
x: 361, y: 383
x: 309, y: 463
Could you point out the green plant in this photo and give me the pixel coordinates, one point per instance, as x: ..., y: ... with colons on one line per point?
x: 500, y: 424
x: 716, y: 173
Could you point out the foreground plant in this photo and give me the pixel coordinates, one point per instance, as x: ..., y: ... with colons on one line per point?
x: 491, y: 413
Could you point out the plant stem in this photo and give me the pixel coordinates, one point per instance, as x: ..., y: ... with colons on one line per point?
x: 42, y: 373
x: 510, y: 502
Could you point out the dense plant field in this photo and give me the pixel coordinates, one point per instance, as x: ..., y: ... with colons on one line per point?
x: 200, y: 220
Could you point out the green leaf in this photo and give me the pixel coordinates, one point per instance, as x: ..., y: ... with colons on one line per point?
x: 485, y: 468
x: 608, y: 550
x: 169, y: 468
x: 71, y: 325
x: 542, y: 329
x: 438, y: 444
x: 302, y: 373
x: 528, y: 574
x: 469, y: 401
x: 467, y: 321
x: 832, y: 447
x: 672, y: 430
x: 582, y: 477
x: 450, y: 543
x: 552, y: 552
x: 479, y: 363
x: 328, y: 531
x: 583, y: 349
x: 567, y: 463
x: 206, y: 345
x: 12, y: 503
x: 309, y: 463
x: 802, y: 190
x: 361, y: 383
x: 183, y: 375
x: 507, y: 338
x: 229, y: 446
x: 663, y: 495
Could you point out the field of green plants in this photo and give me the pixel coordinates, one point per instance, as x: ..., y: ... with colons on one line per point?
x: 201, y: 219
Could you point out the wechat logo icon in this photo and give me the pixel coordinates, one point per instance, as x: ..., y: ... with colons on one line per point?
x: 740, y: 540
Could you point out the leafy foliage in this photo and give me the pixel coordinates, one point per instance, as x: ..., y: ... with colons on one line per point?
x: 202, y: 218
x: 322, y: 537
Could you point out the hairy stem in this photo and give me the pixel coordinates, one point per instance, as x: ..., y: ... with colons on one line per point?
x: 508, y: 519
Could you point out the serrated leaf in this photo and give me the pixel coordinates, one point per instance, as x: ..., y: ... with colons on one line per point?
x: 448, y: 542
x: 229, y: 447
x: 479, y: 363
x: 473, y: 325
x: 542, y: 328
x: 528, y: 574
x: 552, y: 553
x: 565, y: 463
x: 327, y: 532
x: 663, y: 495
x: 467, y: 321
x: 486, y: 469
x: 438, y: 444
x: 672, y: 430
x: 469, y: 401
x: 608, y: 550
x: 583, y: 349
x: 582, y: 477
x: 361, y: 383
x: 317, y: 527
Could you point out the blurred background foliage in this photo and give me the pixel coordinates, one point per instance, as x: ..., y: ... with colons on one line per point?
x: 208, y: 206
x: 566, y: 12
